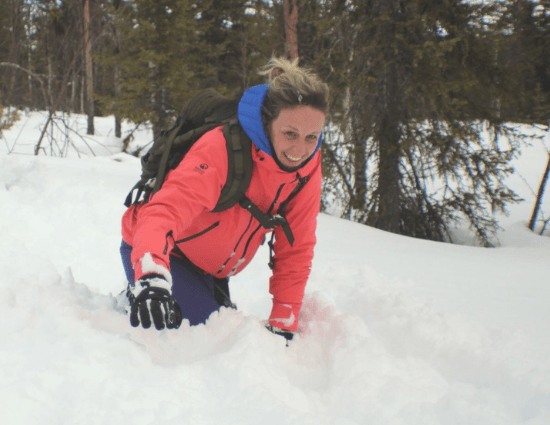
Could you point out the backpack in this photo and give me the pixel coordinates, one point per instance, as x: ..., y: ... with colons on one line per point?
x: 204, y: 112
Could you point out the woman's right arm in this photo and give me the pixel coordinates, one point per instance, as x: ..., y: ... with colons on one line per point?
x: 192, y: 188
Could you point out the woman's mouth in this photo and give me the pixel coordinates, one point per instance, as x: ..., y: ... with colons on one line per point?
x: 291, y: 158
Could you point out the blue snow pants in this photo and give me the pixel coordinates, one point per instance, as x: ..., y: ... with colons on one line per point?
x: 193, y: 290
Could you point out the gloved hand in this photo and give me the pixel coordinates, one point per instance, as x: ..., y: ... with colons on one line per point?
x: 288, y: 335
x: 151, y: 301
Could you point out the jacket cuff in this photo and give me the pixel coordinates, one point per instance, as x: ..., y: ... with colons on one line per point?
x: 147, y: 265
x: 284, y: 316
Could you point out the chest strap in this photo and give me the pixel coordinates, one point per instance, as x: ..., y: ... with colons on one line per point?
x: 268, y: 221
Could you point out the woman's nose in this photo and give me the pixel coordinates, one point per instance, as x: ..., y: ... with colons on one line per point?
x: 300, y: 149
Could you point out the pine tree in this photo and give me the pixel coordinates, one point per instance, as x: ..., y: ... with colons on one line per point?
x: 12, y: 35
x: 416, y: 82
x: 241, y: 36
x: 161, y: 59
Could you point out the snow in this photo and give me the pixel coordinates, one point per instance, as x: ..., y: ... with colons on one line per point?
x: 394, y: 330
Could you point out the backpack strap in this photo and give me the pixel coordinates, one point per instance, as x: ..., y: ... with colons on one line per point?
x: 149, y: 182
x: 239, y: 170
x: 130, y: 197
x: 267, y: 221
x: 164, y: 159
x: 301, y: 182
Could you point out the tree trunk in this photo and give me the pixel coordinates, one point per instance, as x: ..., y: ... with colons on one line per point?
x: 387, y: 126
x: 117, y: 76
x: 117, y: 79
x: 50, y: 79
x: 32, y: 101
x: 89, y: 76
x: 540, y: 194
x: 356, y: 134
x: 387, y: 216
x: 389, y: 176
x: 291, y: 28
x: 15, y: 42
x: 82, y: 93
x: 74, y: 85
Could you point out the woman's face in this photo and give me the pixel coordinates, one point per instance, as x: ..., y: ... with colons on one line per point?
x: 295, y: 134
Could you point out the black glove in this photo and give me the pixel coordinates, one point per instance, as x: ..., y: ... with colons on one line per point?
x: 288, y: 335
x: 151, y: 298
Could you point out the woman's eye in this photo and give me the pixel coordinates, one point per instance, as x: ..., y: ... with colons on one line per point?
x: 290, y: 134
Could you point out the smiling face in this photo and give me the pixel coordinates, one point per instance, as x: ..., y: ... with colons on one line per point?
x: 295, y: 134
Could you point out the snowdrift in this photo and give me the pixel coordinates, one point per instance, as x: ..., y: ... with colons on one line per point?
x: 393, y: 331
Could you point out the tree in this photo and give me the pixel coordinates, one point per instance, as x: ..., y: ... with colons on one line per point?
x: 416, y: 82
x: 291, y: 27
x: 89, y: 73
x: 6, y: 119
x: 241, y: 36
x: 12, y: 35
x: 158, y: 63
x: 524, y: 61
x: 540, y: 194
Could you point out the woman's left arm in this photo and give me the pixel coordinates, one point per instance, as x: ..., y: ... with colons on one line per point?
x: 292, y: 264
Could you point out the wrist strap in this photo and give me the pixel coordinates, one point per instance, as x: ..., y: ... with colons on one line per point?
x: 153, y: 293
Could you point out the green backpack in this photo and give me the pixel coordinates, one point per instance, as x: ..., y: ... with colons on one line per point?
x: 204, y: 112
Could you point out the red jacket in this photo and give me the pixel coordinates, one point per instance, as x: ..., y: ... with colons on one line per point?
x: 223, y: 243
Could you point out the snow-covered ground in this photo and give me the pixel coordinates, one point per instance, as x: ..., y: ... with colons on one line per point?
x: 394, y: 330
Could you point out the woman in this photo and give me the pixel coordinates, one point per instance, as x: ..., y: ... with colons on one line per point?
x: 176, y: 251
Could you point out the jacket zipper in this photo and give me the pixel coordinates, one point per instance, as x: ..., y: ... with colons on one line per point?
x: 202, y: 232
x: 170, y: 234
x: 235, y: 248
x: 242, y: 259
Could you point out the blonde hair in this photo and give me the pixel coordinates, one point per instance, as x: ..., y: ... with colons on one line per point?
x: 290, y: 85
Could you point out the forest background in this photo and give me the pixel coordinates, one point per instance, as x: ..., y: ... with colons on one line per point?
x: 416, y: 88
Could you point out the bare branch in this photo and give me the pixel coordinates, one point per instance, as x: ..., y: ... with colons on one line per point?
x: 32, y: 74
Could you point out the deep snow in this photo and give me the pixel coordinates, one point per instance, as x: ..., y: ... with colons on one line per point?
x: 394, y: 330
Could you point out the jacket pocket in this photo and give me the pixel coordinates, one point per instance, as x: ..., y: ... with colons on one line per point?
x: 202, y: 232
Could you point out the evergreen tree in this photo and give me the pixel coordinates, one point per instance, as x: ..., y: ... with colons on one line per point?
x: 528, y: 54
x: 415, y: 80
x: 12, y: 35
x: 161, y: 59
x: 241, y: 35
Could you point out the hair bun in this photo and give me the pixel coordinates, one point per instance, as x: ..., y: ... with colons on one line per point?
x: 291, y: 85
x: 275, y: 72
